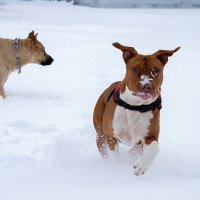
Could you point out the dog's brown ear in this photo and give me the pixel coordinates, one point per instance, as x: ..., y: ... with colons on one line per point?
x: 32, y: 36
x: 163, y: 55
x: 128, y: 52
x: 36, y: 35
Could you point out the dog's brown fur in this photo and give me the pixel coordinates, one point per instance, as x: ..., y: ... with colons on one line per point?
x: 30, y: 51
x: 136, y: 65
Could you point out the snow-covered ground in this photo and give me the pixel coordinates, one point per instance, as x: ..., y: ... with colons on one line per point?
x: 139, y: 3
x: 47, y: 139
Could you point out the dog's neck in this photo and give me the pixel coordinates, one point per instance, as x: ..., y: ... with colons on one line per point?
x: 16, y: 53
x: 24, y: 52
x: 21, y: 53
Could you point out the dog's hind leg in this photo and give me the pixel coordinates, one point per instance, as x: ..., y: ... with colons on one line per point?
x: 112, y: 143
x: 101, y: 144
x: 98, y: 120
x: 104, y: 139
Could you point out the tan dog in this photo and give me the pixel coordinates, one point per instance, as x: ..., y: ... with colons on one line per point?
x: 14, y: 54
x: 129, y: 110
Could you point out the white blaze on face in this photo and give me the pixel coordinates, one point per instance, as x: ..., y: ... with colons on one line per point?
x: 145, y: 79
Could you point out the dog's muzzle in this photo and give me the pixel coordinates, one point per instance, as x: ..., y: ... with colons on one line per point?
x: 47, y: 61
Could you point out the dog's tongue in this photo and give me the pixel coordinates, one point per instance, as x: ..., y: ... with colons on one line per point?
x: 145, y: 96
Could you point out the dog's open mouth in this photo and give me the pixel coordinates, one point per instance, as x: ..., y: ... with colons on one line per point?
x: 144, y: 96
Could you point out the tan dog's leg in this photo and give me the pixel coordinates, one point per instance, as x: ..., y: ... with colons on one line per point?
x: 2, y: 92
x: 3, y: 79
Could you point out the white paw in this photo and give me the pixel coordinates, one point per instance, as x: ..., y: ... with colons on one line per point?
x: 140, y: 166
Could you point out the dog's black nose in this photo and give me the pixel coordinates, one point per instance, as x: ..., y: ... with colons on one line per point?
x: 147, y: 88
x: 50, y: 60
x: 47, y: 61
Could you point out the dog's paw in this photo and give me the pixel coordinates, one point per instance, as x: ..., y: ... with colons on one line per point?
x: 143, y: 162
x: 140, y: 166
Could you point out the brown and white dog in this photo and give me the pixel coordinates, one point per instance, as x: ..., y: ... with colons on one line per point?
x: 129, y: 110
x: 14, y: 54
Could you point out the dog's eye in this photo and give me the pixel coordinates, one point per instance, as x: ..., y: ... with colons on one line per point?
x: 135, y: 70
x: 155, y: 71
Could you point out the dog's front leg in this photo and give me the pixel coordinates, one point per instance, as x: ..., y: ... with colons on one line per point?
x: 137, y: 150
x: 106, y: 144
x: 144, y: 161
x: 3, y: 78
x: 2, y: 92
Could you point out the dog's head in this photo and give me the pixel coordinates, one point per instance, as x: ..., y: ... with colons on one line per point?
x: 144, y: 73
x: 38, y: 53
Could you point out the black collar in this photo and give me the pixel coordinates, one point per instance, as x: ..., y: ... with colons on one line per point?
x: 142, y: 108
x: 16, y: 53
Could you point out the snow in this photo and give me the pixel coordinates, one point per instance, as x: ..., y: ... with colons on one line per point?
x: 145, y: 79
x: 47, y: 139
x: 139, y: 3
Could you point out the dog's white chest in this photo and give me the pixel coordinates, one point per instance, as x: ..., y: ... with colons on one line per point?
x: 130, y: 126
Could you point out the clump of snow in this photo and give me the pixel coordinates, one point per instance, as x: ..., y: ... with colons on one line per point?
x: 47, y: 139
x: 145, y: 79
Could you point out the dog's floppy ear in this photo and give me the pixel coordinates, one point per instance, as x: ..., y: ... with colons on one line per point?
x: 128, y: 52
x: 32, y: 36
x: 163, y: 55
